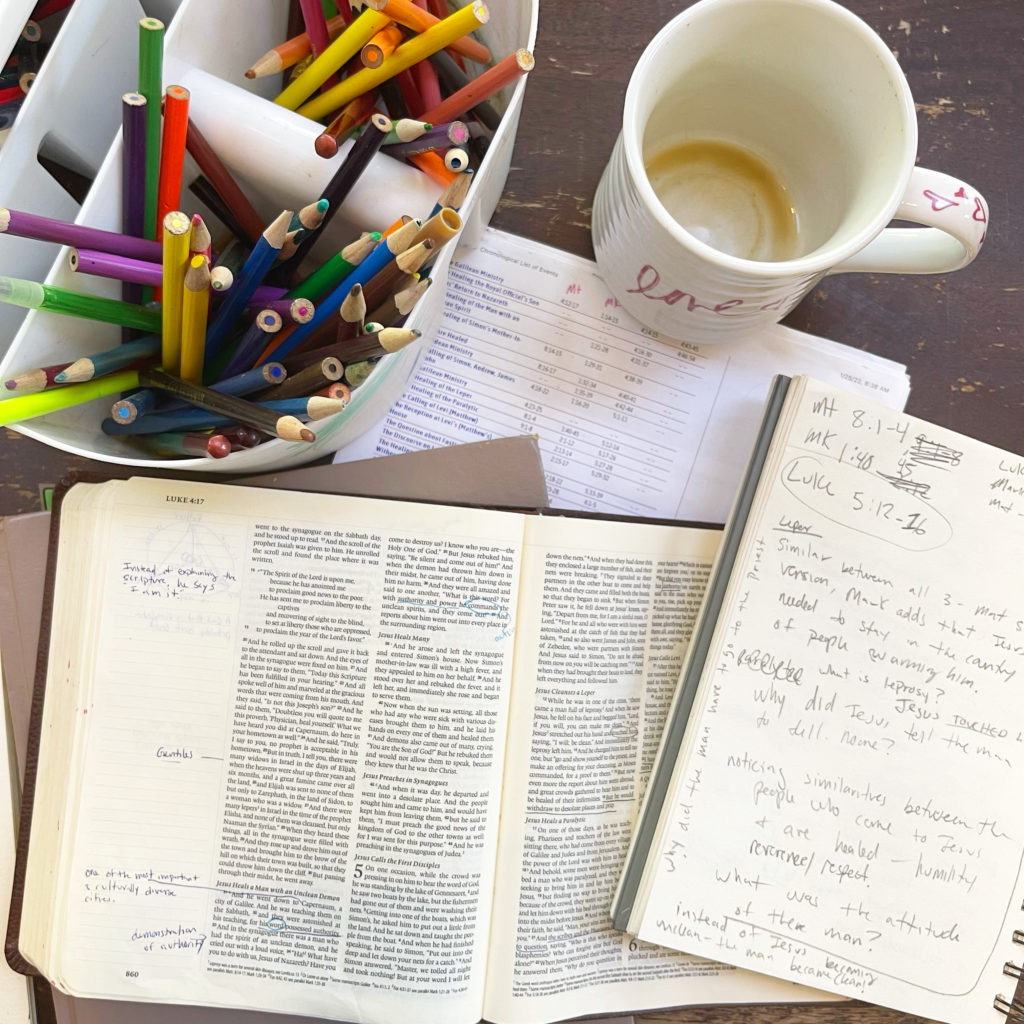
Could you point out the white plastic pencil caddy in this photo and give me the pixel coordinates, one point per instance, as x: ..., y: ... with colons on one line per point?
x: 208, y: 46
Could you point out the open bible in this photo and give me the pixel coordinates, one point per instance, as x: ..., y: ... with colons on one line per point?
x: 834, y: 800
x: 351, y: 758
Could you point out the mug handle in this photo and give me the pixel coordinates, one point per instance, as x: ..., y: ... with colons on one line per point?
x: 957, y: 216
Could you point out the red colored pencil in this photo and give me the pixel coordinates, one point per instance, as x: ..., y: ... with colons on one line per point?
x: 172, y: 153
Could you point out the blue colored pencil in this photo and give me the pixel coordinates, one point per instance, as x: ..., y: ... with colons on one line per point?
x: 254, y: 269
x: 328, y: 307
x: 193, y: 418
x: 125, y: 354
x: 145, y: 400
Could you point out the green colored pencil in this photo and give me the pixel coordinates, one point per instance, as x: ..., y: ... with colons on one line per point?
x: 336, y: 269
x: 26, y: 407
x: 54, y: 299
x: 151, y: 61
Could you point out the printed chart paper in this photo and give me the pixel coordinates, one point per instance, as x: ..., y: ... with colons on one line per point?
x: 532, y: 342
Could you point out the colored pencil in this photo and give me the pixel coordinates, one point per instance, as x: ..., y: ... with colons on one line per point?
x: 350, y: 116
x: 434, y: 166
x: 253, y: 271
x: 176, y: 231
x: 396, y: 275
x: 172, y: 152
x: 133, y: 164
x: 304, y: 380
x: 382, y: 45
x: 287, y: 54
x: 406, y: 13
x: 453, y: 79
x: 400, y: 304
x: 241, y: 437
x: 278, y: 415
x: 221, y: 279
x: 151, y: 59
x: 456, y: 159
x: 327, y: 276
x: 173, y: 443
x: 54, y: 299
x: 26, y: 407
x: 509, y: 69
x: 434, y: 38
x: 316, y: 25
x: 48, y: 229
x: 35, y: 380
x: 343, y: 180
x: 295, y: 311
x: 200, y: 242
x: 230, y: 196
x: 438, y: 136
x: 427, y: 82
x: 380, y: 343
x: 238, y: 409
x: 255, y: 339
x: 195, y: 307
x: 327, y: 307
x: 347, y: 44
x: 118, y: 358
x: 145, y: 400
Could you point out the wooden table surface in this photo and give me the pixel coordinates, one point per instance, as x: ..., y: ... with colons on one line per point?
x: 960, y: 335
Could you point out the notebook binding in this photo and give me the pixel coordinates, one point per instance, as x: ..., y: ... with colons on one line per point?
x: 1013, y: 1009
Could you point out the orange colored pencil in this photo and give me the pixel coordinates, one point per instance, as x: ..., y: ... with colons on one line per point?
x: 291, y: 51
x: 434, y: 165
x: 172, y: 153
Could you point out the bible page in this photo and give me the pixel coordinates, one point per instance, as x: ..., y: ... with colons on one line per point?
x: 296, y: 728
x: 604, y: 619
x: 842, y: 812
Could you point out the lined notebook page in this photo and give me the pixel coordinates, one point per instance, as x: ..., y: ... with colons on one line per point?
x: 843, y: 812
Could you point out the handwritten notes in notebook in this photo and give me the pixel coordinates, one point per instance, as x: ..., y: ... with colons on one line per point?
x: 843, y: 813
x: 532, y: 342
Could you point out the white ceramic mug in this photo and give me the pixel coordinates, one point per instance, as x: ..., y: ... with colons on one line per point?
x: 807, y: 93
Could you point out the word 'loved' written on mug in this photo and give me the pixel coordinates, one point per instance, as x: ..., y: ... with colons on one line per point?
x: 765, y: 144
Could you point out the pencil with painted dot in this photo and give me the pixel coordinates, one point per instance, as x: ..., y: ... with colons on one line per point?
x: 305, y: 380
x: 293, y: 311
x: 438, y: 136
x: 240, y: 410
x: 253, y: 341
x: 271, y: 412
x: 133, y: 164
x: 145, y: 400
x: 26, y: 407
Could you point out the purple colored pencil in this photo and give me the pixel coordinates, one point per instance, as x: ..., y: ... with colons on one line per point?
x: 294, y: 311
x: 48, y: 229
x: 121, y: 268
x: 441, y: 136
x: 133, y: 164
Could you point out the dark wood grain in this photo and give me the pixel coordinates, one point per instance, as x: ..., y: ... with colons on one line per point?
x: 961, y: 335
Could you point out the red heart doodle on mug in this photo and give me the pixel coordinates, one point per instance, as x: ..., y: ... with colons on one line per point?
x: 961, y: 193
x: 979, y: 212
x: 939, y: 202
